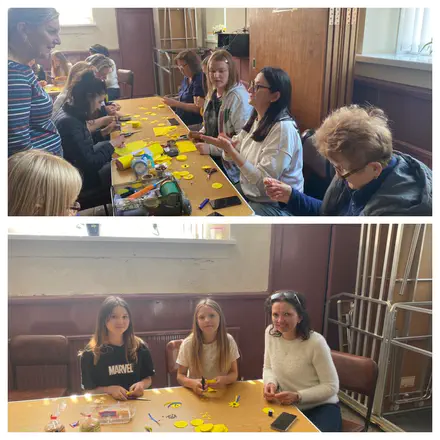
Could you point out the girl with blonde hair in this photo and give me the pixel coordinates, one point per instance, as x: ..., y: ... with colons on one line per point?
x: 116, y: 361
x: 209, y: 352
x: 60, y: 66
x: 40, y: 183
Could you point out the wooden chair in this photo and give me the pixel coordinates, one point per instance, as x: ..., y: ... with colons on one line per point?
x: 126, y: 78
x: 358, y: 374
x: 40, y: 367
x: 171, y: 353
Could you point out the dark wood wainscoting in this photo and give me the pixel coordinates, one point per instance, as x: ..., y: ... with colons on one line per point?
x: 157, y: 318
x: 409, y: 110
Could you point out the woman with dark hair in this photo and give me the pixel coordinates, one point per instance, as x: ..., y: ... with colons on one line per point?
x: 92, y: 160
x: 189, y: 64
x: 269, y: 144
x: 113, y: 89
x: 32, y: 34
x: 298, y: 367
x: 116, y: 361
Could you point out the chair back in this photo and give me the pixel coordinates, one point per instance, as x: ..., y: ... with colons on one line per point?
x: 171, y: 353
x: 126, y: 78
x: 358, y: 374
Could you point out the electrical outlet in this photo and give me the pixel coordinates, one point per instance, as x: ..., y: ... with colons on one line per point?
x: 407, y: 382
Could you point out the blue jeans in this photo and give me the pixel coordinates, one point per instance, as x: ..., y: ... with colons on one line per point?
x: 327, y: 417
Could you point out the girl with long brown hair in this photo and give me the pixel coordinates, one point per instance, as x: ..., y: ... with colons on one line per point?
x: 209, y: 352
x: 116, y: 361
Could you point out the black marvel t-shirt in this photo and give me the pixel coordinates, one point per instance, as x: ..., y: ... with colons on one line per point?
x: 114, y: 369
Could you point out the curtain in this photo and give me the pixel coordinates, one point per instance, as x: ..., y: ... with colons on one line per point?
x: 415, y: 30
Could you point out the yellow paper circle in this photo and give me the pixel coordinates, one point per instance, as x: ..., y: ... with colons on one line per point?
x: 181, y: 157
x: 266, y: 410
x: 181, y: 424
x: 217, y: 185
x: 206, y: 167
x: 176, y: 174
x: 185, y: 165
x: 160, y: 106
x: 184, y: 173
x: 234, y: 404
x: 206, y: 427
x: 197, y: 429
x: 187, y: 177
x: 220, y: 427
x: 197, y: 422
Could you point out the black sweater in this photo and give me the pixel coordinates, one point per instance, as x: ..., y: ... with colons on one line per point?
x: 78, y: 146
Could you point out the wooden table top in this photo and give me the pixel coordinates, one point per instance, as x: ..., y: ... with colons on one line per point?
x: 197, y: 189
x: 33, y: 415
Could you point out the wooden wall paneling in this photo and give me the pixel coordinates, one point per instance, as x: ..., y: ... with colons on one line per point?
x: 346, y: 57
x: 354, y: 32
x: 335, y: 60
x: 136, y: 43
x: 412, y: 128
x: 296, y: 41
x: 328, y: 64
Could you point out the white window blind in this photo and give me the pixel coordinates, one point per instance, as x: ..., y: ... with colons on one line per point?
x: 75, y: 16
x: 415, y: 30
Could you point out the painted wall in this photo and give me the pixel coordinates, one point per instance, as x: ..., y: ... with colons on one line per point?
x: 82, y: 37
x: 79, y: 267
x: 381, y: 26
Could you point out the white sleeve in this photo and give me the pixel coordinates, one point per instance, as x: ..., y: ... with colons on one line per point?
x: 237, y: 138
x: 268, y: 374
x: 240, y: 114
x: 325, y: 369
x: 275, y: 157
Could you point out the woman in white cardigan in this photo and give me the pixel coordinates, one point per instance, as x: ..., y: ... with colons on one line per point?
x: 269, y: 144
x: 298, y: 367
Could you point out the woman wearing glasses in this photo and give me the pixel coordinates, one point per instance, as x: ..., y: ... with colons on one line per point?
x: 40, y: 183
x: 371, y: 178
x: 269, y: 144
x: 189, y: 64
x: 298, y: 367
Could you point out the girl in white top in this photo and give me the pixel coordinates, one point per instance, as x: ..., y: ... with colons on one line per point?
x: 209, y: 352
x: 269, y: 144
x: 298, y: 367
x: 111, y: 81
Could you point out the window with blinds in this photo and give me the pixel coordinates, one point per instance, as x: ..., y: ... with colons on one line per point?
x: 415, y: 31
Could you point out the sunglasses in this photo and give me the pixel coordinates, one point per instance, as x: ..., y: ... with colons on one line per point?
x: 349, y: 173
x: 255, y: 87
x: 290, y: 295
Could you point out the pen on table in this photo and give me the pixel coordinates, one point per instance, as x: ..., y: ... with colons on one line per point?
x: 203, y: 204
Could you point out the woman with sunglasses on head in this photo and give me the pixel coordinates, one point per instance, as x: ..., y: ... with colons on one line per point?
x: 371, y: 178
x: 298, y: 366
x: 269, y: 144
x: 189, y: 64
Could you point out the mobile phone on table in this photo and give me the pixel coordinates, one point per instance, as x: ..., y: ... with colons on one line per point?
x: 173, y: 121
x: 215, y: 214
x: 225, y: 202
x: 283, y: 422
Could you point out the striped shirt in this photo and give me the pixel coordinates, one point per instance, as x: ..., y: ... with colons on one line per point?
x: 29, y: 113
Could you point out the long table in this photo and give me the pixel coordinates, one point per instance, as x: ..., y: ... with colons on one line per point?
x: 33, y: 415
x: 197, y: 189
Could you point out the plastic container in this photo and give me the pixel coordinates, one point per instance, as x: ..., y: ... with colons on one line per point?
x: 54, y: 425
x: 114, y: 414
x: 89, y: 424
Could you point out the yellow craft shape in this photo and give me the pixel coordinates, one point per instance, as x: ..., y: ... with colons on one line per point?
x: 130, y: 148
x: 184, y: 173
x: 220, y: 427
x: 181, y: 158
x: 123, y: 124
x: 176, y: 174
x: 162, y: 131
x: 181, y: 424
x: 206, y: 167
x: 185, y: 165
x: 153, y: 114
x: 206, y: 427
x: 136, y: 116
x: 197, y: 422
x: 185, y: 146
x: 161, y: 125
x: 144, y: 119
x: 154, y: 108
x: 188, y: 176
x: 266, y: 410
x: 211, y: 390
x: 234, y: 404
x: 135, y: 124
x: 160, y: 106
x: 197, y: 429
x: 155, y: 148
x: 217, y: 185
